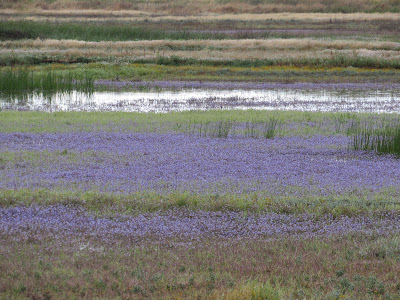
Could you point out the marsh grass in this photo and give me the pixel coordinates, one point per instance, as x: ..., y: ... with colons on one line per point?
x: 342, y: 61
x: 129, y: 70
x: 383, y: 137
x: 93, y: 32
x: 21, y: 84
x: 10, y: 60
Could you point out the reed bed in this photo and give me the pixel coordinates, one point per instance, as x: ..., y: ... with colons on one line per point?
x: 21, y: 84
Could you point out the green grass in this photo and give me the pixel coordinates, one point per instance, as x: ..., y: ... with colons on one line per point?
x: 93, y: 32
x: 119, y: 31
x: 353, y: 203
x: 22, y: 83
x: 150, y: 71
x: 383, y: 137
x: 341, y: 61
x: 188, y: 121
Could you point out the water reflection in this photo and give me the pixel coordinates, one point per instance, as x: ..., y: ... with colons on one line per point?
x: 345, y: 100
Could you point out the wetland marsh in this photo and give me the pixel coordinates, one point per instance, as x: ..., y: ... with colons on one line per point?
x: 214, y: 156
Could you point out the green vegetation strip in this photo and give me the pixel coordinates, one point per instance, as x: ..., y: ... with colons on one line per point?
x: 99, y: 203
x: 353, y: 62
x: 153, y: 71
x: 12, y: 121
x: 93, y: 32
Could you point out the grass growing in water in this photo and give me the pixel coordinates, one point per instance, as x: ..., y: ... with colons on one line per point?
x: 20, y: 84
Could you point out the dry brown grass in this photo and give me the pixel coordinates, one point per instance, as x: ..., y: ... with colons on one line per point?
x: 142, y: 15
x: 208, y: 49
x: 248, y: 44
x: 191, y: 7
x: 216, y: 269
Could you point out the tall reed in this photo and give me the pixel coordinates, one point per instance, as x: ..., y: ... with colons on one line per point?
x: 381, y: 138
x: 21, y: 84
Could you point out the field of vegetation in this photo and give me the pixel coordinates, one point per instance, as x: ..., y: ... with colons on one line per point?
x: 199, y: 204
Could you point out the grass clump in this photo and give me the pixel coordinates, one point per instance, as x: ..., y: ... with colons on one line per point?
x: 381, y: 138
x: 270, y: 128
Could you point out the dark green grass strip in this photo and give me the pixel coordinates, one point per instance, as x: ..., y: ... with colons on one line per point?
x: 335, y: 61
x: 338, y: 61
x: 93, y: 32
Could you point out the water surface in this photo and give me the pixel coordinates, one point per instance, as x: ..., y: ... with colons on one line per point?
x: 178, y: 96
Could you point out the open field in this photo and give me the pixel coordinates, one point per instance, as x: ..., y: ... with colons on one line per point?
x: 214, y: 204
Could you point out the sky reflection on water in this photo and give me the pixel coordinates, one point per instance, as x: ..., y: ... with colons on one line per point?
x: 335, y: 100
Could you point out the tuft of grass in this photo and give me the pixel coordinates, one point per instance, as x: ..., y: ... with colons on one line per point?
x: 270, y: 127
x: 381, y: 138
x: 221, y: 129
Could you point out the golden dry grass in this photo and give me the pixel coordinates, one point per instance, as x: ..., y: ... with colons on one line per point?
x: 208, y: 49
x: 248, y: 44
x: 142, y: 15
x: 192, y: 7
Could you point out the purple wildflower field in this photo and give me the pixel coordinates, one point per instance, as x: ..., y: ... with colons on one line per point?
x: 288, y: 169
x: 115, y: 162
x: 162, y: 209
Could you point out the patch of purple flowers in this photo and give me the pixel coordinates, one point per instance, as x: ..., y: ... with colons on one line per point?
x: 132, y: 162
x: 62, y: 222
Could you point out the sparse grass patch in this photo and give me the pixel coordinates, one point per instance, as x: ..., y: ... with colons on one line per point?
x: 223, y: 270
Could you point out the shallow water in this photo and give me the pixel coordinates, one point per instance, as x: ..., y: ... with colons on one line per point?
x: 380, y: 100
